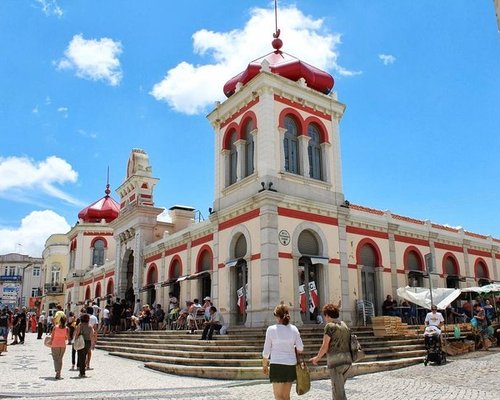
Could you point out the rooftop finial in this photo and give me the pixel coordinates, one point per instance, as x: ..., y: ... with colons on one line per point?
x: 277, y: 43
x: 107, y: 191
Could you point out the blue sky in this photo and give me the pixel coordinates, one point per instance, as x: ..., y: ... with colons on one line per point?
x: 84, y: 82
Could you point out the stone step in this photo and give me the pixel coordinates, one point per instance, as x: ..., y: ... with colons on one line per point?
x: 320, y: 372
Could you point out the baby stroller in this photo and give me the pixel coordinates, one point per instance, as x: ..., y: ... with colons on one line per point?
x: 434, y: 351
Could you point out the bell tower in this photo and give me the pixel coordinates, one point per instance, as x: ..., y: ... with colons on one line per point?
x: 278, y: 130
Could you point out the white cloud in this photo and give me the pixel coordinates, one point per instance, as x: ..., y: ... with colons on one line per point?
x: 35, y: 110
x: 189, y: 88
x: 387, y: 59
x: 94, y: 59
x: 63, y: 111
x: 34, y: 230
x: 50, y: 7
x: 48, y: 101
x: 28, y: 177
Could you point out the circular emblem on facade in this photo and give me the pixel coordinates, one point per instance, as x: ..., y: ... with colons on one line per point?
x: 284, y: 237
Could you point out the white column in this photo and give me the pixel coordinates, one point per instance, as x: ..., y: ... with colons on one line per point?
x: 304, y: 155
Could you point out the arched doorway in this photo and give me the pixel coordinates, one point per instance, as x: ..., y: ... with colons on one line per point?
x: 450, y: 268
x: 203, y: 268
x: 368, y: 257
x: 151, y: 280
x: 309, y: 277
x: 239, y: 303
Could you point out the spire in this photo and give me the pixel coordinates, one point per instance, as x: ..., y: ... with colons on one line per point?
x: 277, y: 43
x: 107, y: 191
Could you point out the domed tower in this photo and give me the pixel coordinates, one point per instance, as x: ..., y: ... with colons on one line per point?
x: 278, y: 188
x: 279, y: 130
x: 105, y: 209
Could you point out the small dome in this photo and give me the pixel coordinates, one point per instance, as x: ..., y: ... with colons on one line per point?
x: 285, y: 65
x: 105, y: 208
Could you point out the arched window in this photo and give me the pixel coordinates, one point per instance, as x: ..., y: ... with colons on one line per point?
x: 233, y: 159
x: 98, y: 253
x: 368, y: 256
x: 110, y: 287
x: 414, y: 265
x: 291, y: 146
x: 205, y: 261
x: 98, y: 290
x: 314, y: 152
x: 152, y: 276
x: 249, y: 148
x: 87, y: 293
x: 308, y: 244
x: 482, y: 273
x: 240, y: 247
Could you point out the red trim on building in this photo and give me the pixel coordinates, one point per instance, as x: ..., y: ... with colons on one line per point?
x: 255, y: 257
x: 368, y: 242
x: 89, y: 233
x: 419, y: 255
x: 233, y: 127
x: 132, y: 198
x: 335, y: 261
x: 221, y: 265
x: 456, y: 265
x: 497, y: 256
x: 99, y: 238
x: 366, y: 232
x: 249, y: 116
x: 202, y: 240
x: 110, y: 273
x: 144, y: 186
x: 352, y: 266
x: 285, y: 255
x: 295, y: 115
x: 479, y: 253
x: 177, y: 249
x: 122, y: 204
x: 239, y: 112
x: 146, y: 196
x: 239, y: 219
x: 286, y: 212
x: 387, y: 270
x: 400, y: 271
x: 70, y: 285
x: 301, y: 107
x: 87, y: 282
x: 153, y: 258
x: 448, y: 247
x: 320, y: 125
x: 366, y: 209
x: 414, y: 241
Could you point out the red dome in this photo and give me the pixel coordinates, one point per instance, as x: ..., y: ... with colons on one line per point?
x: 285, y: 65
x: 105, y: 208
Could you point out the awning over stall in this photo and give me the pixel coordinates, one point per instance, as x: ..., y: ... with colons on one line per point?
x: 442, y: 297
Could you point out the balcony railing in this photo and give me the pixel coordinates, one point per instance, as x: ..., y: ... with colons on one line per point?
x: 52, y: 288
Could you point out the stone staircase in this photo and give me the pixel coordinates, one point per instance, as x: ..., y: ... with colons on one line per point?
x: 238, y: 355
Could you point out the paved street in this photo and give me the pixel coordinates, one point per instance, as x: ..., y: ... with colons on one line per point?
x: 26, y: 371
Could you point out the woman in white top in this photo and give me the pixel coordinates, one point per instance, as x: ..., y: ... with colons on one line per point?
x: 279, y: 358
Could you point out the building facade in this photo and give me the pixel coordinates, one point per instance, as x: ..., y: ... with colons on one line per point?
x: 20, y: 281
x: 280, y: 228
